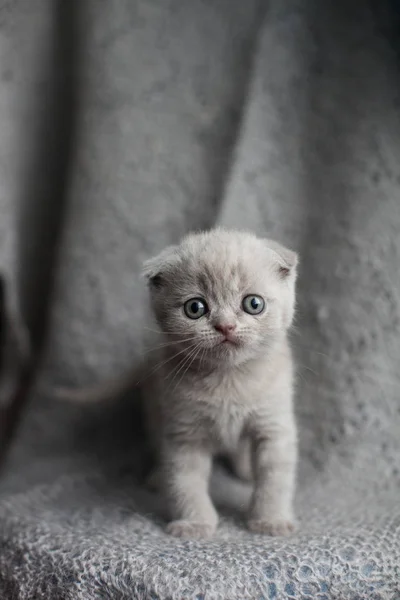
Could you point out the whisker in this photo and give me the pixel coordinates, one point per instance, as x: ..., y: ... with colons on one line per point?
x: 183, y: 363
x: 188, y: 367
x: 161, y: 364
x: 166, y: 344
x: 308, y: 369
x: 180, y: 362
x: 310, y: 350
x: 302, y: 376
x: 202, y: 356
x: 164, y: 362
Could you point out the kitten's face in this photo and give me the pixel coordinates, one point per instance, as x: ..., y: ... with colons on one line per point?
x: 223, y: 296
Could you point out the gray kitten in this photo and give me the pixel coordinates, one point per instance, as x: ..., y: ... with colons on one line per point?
x: 224, y: 301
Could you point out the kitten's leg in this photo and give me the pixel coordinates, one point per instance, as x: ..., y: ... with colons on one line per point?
x: 241, y: 460
x: 186, y: 472
x: 275, y: 458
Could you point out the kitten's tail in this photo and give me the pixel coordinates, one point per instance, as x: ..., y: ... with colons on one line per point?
x: 97, y: 393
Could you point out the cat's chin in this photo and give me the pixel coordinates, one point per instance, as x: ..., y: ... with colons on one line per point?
x: 229, y: 354
x: 227, y: 347
x: 229, y: 343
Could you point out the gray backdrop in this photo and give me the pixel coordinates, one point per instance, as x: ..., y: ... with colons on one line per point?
x: 124, y: 124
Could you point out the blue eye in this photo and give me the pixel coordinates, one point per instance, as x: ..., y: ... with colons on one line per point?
x: 253, y: 305
x: 195, y: 308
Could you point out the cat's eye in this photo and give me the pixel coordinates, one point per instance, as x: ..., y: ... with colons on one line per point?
x: 195, y: 308
x: 253, y: 305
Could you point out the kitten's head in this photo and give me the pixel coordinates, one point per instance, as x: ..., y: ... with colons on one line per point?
x: 223, y: 296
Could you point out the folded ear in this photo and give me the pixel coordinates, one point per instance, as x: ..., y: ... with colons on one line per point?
x: 155, y: 269
x: 287, y: 259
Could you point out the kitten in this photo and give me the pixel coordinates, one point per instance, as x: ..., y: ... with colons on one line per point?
x: 224, y: 301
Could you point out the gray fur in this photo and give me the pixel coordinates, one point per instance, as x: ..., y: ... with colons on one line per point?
x: 205, y: 398
x: 217, y: 398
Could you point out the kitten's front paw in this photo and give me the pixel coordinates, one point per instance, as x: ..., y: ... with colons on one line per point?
x: 190, y: 530
x: 274, y: 528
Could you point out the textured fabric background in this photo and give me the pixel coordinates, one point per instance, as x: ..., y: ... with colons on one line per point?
x: 125, y: 124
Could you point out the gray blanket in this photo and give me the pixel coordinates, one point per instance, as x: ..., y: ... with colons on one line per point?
x: 124, y: 124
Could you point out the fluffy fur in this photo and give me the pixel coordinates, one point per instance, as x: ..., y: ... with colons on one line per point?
x: 224, y: 382
x: 226, y: 397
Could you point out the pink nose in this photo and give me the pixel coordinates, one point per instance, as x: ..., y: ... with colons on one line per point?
x: 225, y: 328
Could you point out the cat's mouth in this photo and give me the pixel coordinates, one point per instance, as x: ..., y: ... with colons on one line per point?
x: 229, y: 341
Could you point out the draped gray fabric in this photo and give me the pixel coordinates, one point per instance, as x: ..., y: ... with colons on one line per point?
x: 125, y: 124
